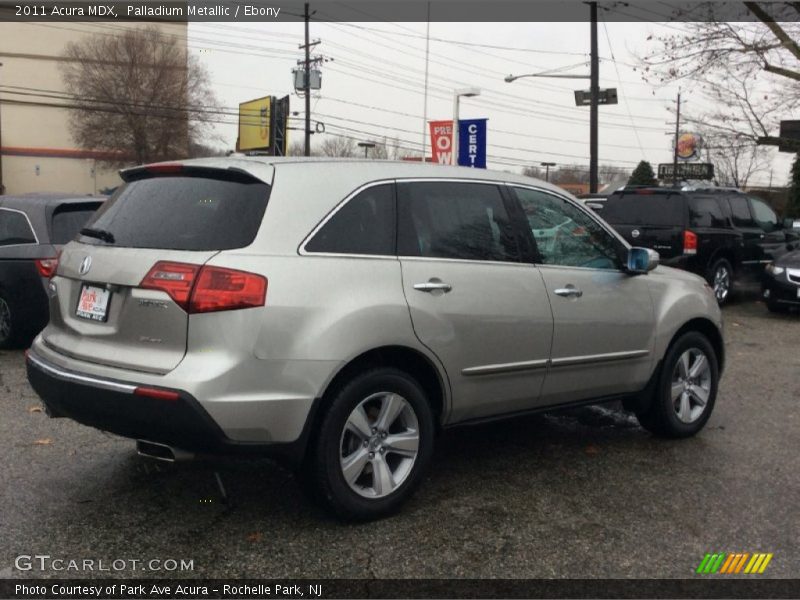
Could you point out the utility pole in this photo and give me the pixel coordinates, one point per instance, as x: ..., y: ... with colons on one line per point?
x: 2, y: 187
x: 547, y: 166
x: 307, y: 86
x: 675, y: 145
x: 595, y: 92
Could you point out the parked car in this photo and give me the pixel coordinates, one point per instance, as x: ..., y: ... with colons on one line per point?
x: 781, y: 285
x: 33, y: 228
x: 339, y: 314
x: 720, y: 234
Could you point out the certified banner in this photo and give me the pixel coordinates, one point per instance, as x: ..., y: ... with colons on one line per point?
x: 442, y: 142
x: 472, y: 143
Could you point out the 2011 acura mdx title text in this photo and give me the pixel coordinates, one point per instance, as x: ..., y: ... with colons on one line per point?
x: 338, y: 314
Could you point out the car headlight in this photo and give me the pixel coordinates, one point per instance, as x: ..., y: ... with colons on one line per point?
x: 773, y: 270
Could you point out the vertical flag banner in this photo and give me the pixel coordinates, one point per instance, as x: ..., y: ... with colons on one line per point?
x: 472, y: 143
x: 442, y: 142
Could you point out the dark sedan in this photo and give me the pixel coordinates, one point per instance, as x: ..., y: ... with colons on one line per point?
x: 32, y: 230
x: 781, y: 285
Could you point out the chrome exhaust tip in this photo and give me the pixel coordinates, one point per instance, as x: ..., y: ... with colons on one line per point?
x: 162, y: 452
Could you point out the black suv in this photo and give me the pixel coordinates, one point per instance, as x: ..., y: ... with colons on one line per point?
x: 719, y: 234
x: 32, y: 230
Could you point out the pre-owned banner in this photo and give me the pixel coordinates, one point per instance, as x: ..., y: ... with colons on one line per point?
x: 472, y: 143
x: 442, y: 142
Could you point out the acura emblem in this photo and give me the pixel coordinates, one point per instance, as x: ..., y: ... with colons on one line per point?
x: 86, y: 264
x: 634, y: 233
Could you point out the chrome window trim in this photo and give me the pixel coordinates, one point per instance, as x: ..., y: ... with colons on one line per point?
x: 396, y: 180
x: 64, y: 375
x: 30, y: 226
x: 301, y: 250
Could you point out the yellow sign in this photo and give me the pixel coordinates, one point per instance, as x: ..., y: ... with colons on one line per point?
x: 254, y: 122
x: 688, y: 146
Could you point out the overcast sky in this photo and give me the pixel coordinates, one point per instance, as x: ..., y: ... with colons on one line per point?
x: 374, y: 86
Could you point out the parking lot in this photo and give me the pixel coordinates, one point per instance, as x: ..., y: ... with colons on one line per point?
x: 584, y: 493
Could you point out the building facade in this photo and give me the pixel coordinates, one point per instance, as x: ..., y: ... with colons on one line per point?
x: 37, y: 151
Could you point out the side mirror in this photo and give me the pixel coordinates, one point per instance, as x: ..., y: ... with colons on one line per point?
x: 642, y: 260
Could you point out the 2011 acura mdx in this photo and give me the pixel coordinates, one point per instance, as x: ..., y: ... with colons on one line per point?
x: 339, y: 313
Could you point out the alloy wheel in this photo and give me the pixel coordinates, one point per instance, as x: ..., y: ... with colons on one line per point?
x: 379, y: 445
x: 722, y: 283
x: 691, y: 385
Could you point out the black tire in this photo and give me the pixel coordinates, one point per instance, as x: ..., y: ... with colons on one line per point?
x: 8, y: 327
x: 323, y: 470
x: 661, y: 416
x: 774, y: 307
x: 720, y: 278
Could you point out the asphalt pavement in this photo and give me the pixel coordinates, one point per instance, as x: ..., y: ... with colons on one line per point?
x: 586, y: 493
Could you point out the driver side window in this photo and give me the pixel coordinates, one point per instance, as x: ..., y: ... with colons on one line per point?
x: 765, y: 216
x: 565, y: 235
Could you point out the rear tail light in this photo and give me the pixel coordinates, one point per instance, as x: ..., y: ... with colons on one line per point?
x: 689, y: 242
x: 176, y: 279
x: 207, y: 289
x: 47, y: 266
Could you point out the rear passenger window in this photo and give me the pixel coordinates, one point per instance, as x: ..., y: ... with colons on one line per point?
x: 465, y: 221
x: 68, y: 219
x: 364, y: 225
x: 14, y: 228
x: 706, y: 212
x: 741, y: 212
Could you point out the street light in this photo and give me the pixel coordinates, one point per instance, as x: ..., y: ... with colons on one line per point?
x: 366, y: 146
x: 466, y: 93
x: 547, y: 166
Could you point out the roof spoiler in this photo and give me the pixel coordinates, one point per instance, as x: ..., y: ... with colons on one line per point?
x: 167, y: 169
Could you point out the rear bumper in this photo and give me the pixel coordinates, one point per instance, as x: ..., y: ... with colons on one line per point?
x: 114, y: 406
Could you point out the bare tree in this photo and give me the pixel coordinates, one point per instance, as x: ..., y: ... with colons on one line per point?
x: 748, y: 69
x: 736, y: 158
x: 338, y: 146
x: 138, y: 95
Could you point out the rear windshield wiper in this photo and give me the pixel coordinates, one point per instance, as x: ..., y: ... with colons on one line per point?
x: 100, y: 234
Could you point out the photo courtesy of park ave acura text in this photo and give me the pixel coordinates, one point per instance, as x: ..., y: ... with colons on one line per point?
x: 399, y: 299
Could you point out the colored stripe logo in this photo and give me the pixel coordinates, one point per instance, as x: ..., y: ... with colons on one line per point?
x: 734, y: 563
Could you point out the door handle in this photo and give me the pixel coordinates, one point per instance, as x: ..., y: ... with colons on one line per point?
x: 568, y: 292
x: 433, y: 286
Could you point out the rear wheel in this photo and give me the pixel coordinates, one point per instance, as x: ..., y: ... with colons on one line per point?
x: 721, y: 280
x: 686, y: 390
x: 7, y: 326
x: 374, y: 444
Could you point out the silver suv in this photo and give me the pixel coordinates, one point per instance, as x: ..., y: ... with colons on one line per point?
x: 338, y: 314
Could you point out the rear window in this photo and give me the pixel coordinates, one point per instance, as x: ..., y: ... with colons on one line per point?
x: 184, y: 213
x: 15, y: 229
x: 644, y: 209
x: 68, y: 220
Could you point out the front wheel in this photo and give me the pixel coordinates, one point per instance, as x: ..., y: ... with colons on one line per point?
x: 686, y: 390
x: 7, y: 325
x: 375, y: 442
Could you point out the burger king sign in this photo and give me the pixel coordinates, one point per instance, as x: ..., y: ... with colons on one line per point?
x: 688, y: 146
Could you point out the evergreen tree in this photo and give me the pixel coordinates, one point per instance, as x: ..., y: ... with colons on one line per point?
x: 793, y: 205
x: 643, y: 175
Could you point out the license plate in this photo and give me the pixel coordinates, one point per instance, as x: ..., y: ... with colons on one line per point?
x: 93, y: 303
